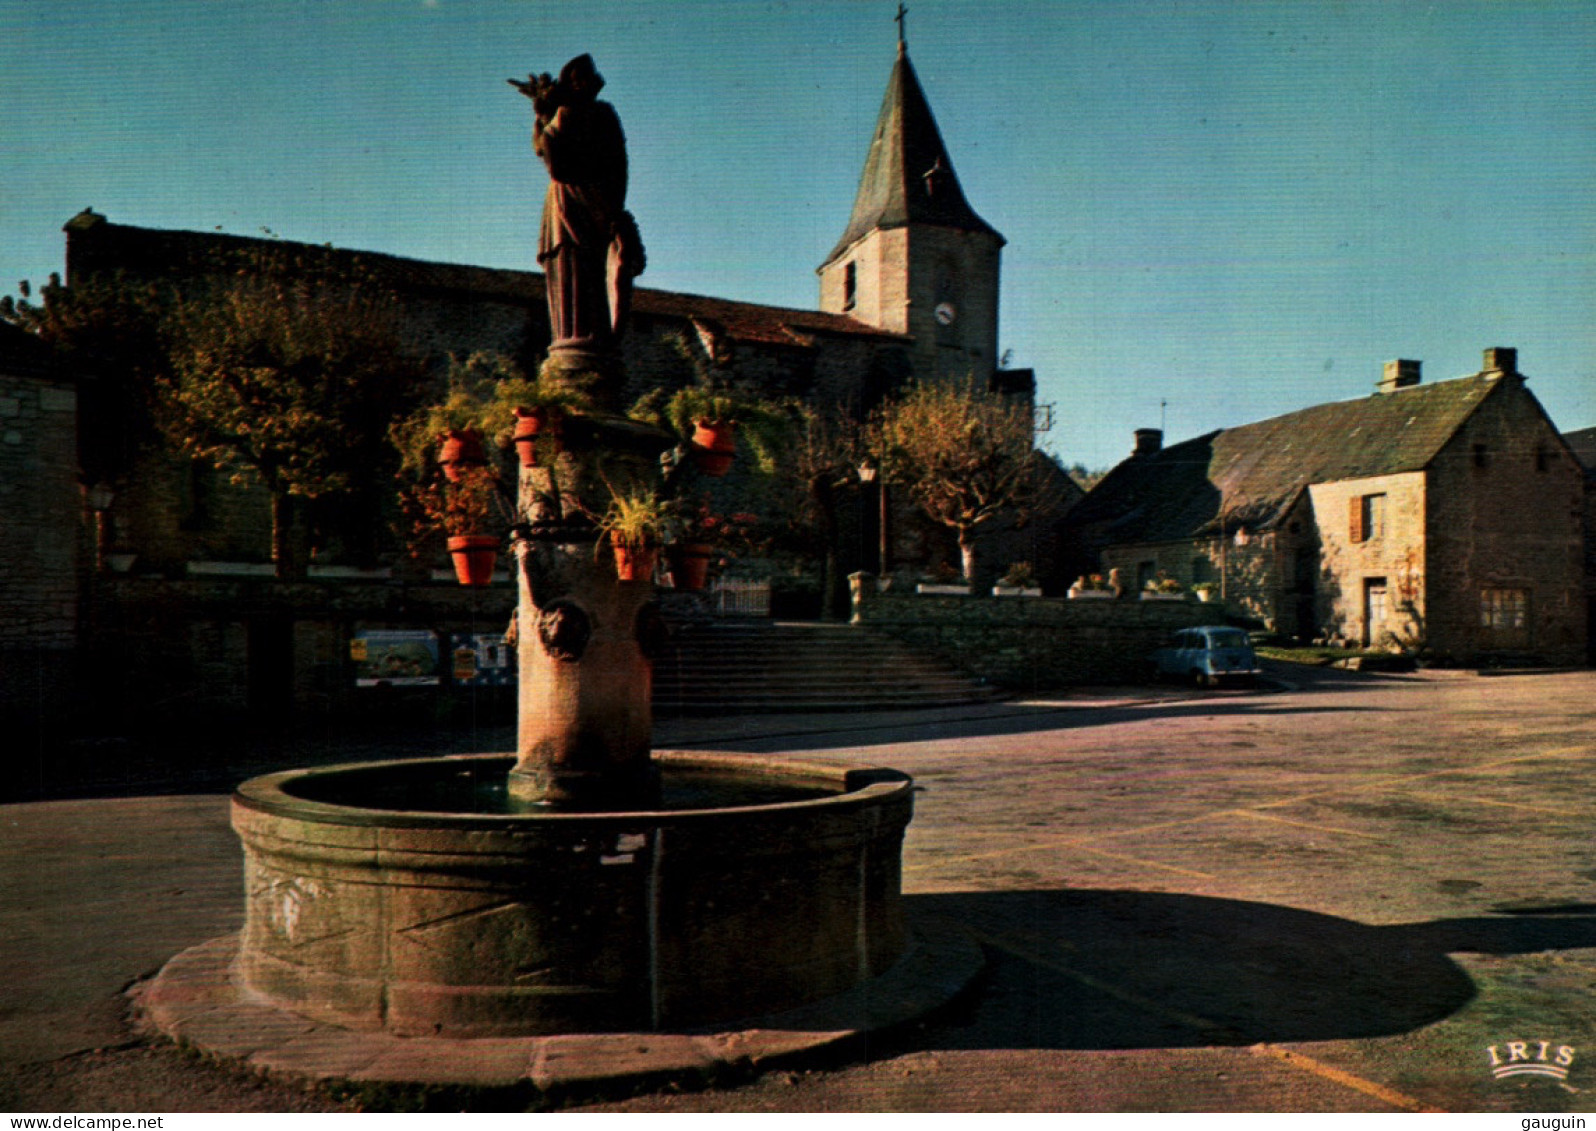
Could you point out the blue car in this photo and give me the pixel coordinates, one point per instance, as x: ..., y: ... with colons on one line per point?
x: 1208, y: 655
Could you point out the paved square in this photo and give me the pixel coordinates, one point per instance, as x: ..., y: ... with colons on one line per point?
x: 1339, y: 897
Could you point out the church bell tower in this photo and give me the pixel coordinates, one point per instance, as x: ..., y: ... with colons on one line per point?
x: 915, y: 258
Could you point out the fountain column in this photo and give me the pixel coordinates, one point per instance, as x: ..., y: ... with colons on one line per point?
x: 585, y: 639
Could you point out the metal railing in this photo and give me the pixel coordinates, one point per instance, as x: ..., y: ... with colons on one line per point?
x: 741, y: 598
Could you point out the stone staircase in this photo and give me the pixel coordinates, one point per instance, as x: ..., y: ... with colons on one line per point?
x: 754, y: 666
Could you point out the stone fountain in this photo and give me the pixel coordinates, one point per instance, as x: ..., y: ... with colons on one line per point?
x: 586, y: 884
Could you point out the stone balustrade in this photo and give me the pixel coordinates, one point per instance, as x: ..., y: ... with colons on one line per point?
x: 1029, y: 643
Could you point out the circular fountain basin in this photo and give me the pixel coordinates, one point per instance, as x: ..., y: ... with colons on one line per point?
x: 418, y: 898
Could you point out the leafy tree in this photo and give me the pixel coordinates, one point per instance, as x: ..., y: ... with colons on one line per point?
x: 822, y: 461
x: 289, y: 379
x: 966, y: 455
x: 107, y: 332
x: 1086, y: 478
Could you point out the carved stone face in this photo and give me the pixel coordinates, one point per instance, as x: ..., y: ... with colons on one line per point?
x: 564, y: 628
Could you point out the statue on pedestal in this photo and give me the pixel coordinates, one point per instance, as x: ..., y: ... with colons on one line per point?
x: 588, y: 246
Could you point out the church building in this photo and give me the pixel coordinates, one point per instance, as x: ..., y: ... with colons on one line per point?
x: 179, y: 557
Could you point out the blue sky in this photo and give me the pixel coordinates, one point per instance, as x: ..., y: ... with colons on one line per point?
x: 1240, y: 207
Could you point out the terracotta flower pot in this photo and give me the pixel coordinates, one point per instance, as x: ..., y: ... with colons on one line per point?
x: 690, y: 564
x: 714, y: 445
x: 635, y: 563
x: 530, y: 423
x: 474, y: 557
x: 460, y: 449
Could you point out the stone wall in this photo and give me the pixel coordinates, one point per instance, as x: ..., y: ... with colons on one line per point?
x: 1244, y: 569
x: 169, y: 650
x: 1505, y: 514
x: 1390, y: 556
x: 1029, y: 643
x: 42, y: 519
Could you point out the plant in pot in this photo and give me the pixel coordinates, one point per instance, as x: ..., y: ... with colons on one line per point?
x: 699, y: 532
x: 1018, y: 580
x: 1092, y: 585
x: 635, y: 525
x: 468, y: 510
x: 466, y: 502
x: 945, y: 579
x: 1163, y: 587
x: 447, y: 432
x: 1205, y: 590
x: 528, y: 415
x: 709, y: 414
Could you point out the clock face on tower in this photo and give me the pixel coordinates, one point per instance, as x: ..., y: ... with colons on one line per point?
x: 946, y: 312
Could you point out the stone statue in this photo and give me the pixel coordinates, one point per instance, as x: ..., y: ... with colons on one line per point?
x: 589, y: 246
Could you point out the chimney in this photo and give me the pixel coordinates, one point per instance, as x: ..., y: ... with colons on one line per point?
x: 1500, y: 360
x: 1400, y: 374
x: 1149, y: 441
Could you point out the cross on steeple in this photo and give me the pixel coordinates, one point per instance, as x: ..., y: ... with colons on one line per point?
x: 903, y: 12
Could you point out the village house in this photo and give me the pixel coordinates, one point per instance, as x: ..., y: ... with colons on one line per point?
x: 1583, y: 443
x: 1445, y: 517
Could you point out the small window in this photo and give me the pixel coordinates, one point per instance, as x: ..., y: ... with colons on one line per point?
x: 1482, y: 455
x: 1366, y: 518
x: 1504, y: 609
x: 850, y: 285
x: 196, y: 492
x: 1543, y: 458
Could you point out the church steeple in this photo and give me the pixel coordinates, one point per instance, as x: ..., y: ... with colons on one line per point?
x: 908, y: 175
x: 915, y: 258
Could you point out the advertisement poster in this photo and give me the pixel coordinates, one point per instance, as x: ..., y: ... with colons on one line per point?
x: 481, y: 660
x: 395, y: 658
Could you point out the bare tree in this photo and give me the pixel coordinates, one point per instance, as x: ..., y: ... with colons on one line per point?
x: 967, y: 456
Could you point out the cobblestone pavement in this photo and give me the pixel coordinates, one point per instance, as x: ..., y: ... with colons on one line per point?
x: 1363, y: 893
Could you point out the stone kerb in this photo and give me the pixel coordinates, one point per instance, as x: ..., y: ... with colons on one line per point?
x: 1035, y: 643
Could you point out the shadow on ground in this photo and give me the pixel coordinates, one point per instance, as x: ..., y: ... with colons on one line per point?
x: 1021, y: 718
x: 1101, y: 969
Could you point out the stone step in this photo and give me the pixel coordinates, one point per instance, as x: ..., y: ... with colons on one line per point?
x: 742, y: 667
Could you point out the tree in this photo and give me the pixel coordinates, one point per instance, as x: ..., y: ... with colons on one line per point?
x: 289, y: 379
x: 966, y: 455
x: 1085, y: 477
x: 106, y: 331
x: 822, y: 460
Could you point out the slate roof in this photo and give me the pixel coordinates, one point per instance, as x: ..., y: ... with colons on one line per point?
x: 1583, y: 444
x: 95, y: 244
x: 894, y: 190
x: 1253, y: 474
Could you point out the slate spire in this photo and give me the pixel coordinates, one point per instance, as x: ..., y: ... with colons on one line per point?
x: 908, y: 175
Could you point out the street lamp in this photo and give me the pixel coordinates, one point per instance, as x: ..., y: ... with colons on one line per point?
x: 100, y: 496
x: 869, y: 472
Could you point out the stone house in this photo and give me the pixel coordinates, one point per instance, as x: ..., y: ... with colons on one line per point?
x: 1445, y: 516
x: 1583, y: 443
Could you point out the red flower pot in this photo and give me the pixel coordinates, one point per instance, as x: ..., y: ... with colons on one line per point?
x: 474, y: 557
x: 460, y: 449
x: 690, y: 564
x: 635, y: 563
x: 714, y: 444
x: 530, y: 423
